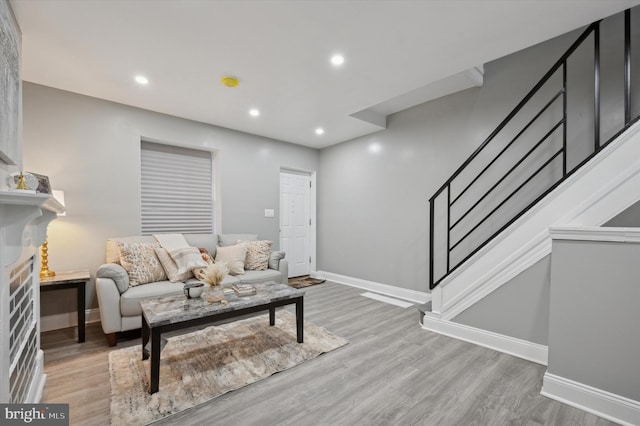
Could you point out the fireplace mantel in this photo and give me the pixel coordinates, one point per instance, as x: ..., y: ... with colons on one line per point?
x: 24, y: 218
x: 19, y: 211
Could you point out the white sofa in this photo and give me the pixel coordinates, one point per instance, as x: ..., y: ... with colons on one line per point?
x: 120, y: 304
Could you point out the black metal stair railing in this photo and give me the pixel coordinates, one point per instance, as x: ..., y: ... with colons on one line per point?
x: 484, y: 196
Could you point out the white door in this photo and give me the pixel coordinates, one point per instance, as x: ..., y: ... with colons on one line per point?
x: 295, y: 221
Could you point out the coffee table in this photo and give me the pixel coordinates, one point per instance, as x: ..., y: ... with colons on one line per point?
x: 178, y: 312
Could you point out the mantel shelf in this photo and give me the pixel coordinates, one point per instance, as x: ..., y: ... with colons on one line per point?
x: 28, y: 199
x: 24, y: 217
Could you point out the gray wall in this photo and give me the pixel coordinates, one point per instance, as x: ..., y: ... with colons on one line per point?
x: 374, y: 190
x: 628, y: 218
x: 519, y: 309
x: 594, y: 336
x: 90, y: 148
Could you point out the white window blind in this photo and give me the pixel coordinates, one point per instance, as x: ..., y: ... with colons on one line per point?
x: 177, y: 190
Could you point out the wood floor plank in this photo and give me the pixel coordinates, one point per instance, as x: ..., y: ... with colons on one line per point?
x: 392, y: 372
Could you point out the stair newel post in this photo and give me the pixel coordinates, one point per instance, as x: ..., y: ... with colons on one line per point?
x: 431, y: 212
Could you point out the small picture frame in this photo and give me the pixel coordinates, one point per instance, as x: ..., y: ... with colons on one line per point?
x: 44, y: 186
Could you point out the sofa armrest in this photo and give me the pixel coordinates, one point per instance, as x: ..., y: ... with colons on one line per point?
x: 274, y: 259
x: 278, y: 262
x: 109, y: 301
x: 283, y: 267
x: 116, y: 273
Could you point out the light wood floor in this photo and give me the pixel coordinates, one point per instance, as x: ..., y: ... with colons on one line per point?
x: 391, y: 373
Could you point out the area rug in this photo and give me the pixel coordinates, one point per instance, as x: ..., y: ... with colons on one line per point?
x: 304, y: 281
x: 202, y: 365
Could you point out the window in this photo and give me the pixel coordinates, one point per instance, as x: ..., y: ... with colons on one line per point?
x: 177, y: 190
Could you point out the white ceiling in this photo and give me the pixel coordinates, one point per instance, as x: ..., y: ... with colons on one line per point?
x: 279, y: 51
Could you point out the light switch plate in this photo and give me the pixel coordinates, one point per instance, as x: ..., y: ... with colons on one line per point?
x: 269, y: 213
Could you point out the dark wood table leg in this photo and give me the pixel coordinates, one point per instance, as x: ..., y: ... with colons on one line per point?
x: 272, y: 315
x: 299, y: 319
x: 81, y: 311
x: 145, y: 338
x: 155, y: 361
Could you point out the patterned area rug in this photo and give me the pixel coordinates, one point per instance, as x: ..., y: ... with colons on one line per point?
x: 199, y: 366
x: 304, y: 281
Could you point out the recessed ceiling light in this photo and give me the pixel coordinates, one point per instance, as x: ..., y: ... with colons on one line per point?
x: 319, y: 131
x: 254, y: 112
x: 337, y: 60
x: 141, y: 79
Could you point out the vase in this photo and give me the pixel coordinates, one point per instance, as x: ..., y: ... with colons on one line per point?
x: 213, y: 294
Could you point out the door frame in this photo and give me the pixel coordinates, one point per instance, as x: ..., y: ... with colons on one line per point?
x: 312, y: 211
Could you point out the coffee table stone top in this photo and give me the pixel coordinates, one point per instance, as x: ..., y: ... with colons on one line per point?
x: 175, y: 309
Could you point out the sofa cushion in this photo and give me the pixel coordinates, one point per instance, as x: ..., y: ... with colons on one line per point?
x: 130, y: 299
x: 257, y: 254
x: 234, y: 257
x: 228, y: 280
x: 252, y: 277
x: 171, y: 268
x: 206, y: 241
x: 141, y: 263
x: 226, y: 240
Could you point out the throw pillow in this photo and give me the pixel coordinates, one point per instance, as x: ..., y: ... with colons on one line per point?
x: 187, y: 259
x: 257, y: 254
x: 206, y: 256
x: 141, y: 263
x: 170, y: 267
x: 234, y: 257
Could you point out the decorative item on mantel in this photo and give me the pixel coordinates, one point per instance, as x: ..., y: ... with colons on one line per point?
x: 24, y: 182
x: 44, y: 249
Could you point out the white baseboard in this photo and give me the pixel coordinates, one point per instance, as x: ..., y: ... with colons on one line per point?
x: 509, y: 345
x: 593, y: 400
x: 389, y: 290
x: 67, y: 319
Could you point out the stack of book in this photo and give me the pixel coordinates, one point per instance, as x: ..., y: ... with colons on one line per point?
x: 244, y: 289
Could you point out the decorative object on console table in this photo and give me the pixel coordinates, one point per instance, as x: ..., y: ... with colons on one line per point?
x: 44, y: 249
x: 70, y: 279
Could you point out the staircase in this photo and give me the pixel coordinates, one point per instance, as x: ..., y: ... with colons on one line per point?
x: 568, y: 154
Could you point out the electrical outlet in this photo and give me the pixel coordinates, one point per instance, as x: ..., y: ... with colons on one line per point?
x: 269, y: 213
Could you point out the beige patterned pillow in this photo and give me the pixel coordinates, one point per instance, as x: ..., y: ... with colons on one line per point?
x: 257, y: 254
x: 141, y: 263
x: 234, y: 257
x: 170, y: 267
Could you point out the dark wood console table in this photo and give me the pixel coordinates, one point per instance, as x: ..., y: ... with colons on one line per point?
x: 70, y: 279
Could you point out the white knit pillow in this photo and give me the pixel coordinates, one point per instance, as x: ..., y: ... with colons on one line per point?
x: 234, y: 257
